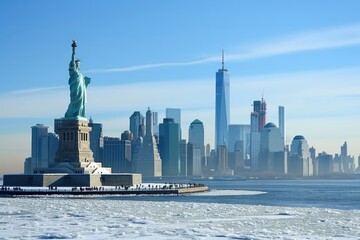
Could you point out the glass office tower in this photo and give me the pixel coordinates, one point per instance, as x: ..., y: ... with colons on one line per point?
x: 222, y: 112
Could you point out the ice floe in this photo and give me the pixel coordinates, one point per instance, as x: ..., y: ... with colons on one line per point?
x: 111, y: 218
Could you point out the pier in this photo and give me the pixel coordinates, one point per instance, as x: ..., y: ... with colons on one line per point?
x: 144, y: 189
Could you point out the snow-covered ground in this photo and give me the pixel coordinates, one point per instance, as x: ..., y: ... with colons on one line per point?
x: 111, y: 217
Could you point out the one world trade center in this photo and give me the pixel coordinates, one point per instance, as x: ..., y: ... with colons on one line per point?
x: 222, y: 112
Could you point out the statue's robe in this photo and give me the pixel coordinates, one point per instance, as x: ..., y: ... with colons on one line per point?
x: 78, y: 84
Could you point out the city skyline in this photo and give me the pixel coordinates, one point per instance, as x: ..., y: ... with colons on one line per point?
x: 310, y: 68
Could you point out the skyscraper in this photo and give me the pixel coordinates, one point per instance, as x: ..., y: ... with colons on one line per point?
x: 300, y: 161
x: 183, y: 157
x: 111, y: 154
x: 194, y: 160
x: 146, y: 157
x: 37, y: 132
x: 282, y: 123
x: 136, y: 120
x: 169, y: 140
x: 254, y: 141
x: 222, y: 106
x: 175, y: 113
x: 196, y: 135
x: 96, y: 140
x: 49, y: 147
x: 117, y: 153
x: 260, y: 108
x: 155, y: 124
x: 239, y: 141
x: 272, y: 156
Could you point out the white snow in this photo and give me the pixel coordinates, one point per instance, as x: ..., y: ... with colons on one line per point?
x: 115, y: 218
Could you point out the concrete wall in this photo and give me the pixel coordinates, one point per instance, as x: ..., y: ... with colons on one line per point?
x: 71, y: 180
x: 127, y: 179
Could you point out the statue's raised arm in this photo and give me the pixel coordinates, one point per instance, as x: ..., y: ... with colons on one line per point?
x: 73, y: 45
x: 78, y: 84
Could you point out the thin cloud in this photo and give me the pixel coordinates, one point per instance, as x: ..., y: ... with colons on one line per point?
x: 37, y: 90
x: 155, y: 65
x: 305, y: 41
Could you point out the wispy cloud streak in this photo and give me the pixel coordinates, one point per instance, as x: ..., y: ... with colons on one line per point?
x: 156, y: 65
x: 305, y: 41
x: 37, y: 90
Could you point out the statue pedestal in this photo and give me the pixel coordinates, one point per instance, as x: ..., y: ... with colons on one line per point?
x: 74, y: 143
x: 74, y: 155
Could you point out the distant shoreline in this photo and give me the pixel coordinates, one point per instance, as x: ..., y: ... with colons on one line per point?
x: 76, y: 191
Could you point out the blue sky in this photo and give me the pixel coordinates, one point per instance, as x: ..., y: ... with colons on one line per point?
x: 303, y: 55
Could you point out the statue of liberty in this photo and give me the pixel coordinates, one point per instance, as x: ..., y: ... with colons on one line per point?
x: 78, y: 84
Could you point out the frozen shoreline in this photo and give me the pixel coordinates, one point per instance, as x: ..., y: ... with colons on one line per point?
x: 51, y: 217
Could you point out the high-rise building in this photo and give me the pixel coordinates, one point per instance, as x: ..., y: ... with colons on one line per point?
x: 234, y: 136
x: 37, y: 132
x: 315, y: 164
x: 126, y: 151
x: 260, y: 108
x: 196, y: 135
x: 27, y: 166
x: 136, y: 119
x: 194, y: 160
x: 254, y: 141
x: 347, y: 162
x: 325, y: 164
x: 127, y: 135
x: 207, y: 150
x: 222, y: 106
x: 96, y: 140
x: 223, y: 162
x: 272, y: 156
x: 300, y: 162
x: 169, y: 140
x: 146, y: 157
x: 343, y: 149
x: 239, y: 160
x: 239, y: 145
x: 174, y: 113
x: 239, y: 132
x: 282, y: 123
x: 49, y: 147
x: 183, y: 157
x: 155, y: 124
x: 117, y: 154
x: 111, y: 153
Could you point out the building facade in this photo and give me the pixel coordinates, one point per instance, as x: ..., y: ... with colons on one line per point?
x: 37, y: 133
x: 222, y: 106
x: 300, y: 163
x: 136, y: 119
x: 169, y: 140
x: 96, y: 140
x: 272, y: 156
x: 49, y: 148
x: 146, y: 156
x: 196, y: 135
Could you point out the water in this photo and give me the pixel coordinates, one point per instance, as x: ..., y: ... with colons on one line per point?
x: 299, y: 209
x: 337, y: 194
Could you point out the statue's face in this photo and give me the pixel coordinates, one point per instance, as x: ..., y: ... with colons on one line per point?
x: 77, y: 64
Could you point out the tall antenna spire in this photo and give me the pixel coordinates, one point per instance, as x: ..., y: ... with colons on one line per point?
x: 222, y: 61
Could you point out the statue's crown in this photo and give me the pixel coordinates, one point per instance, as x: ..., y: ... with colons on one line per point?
x: 77, y: 60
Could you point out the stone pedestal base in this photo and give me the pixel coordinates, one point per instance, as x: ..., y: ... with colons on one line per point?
x: 72, y: 180
x: 74, y: 142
